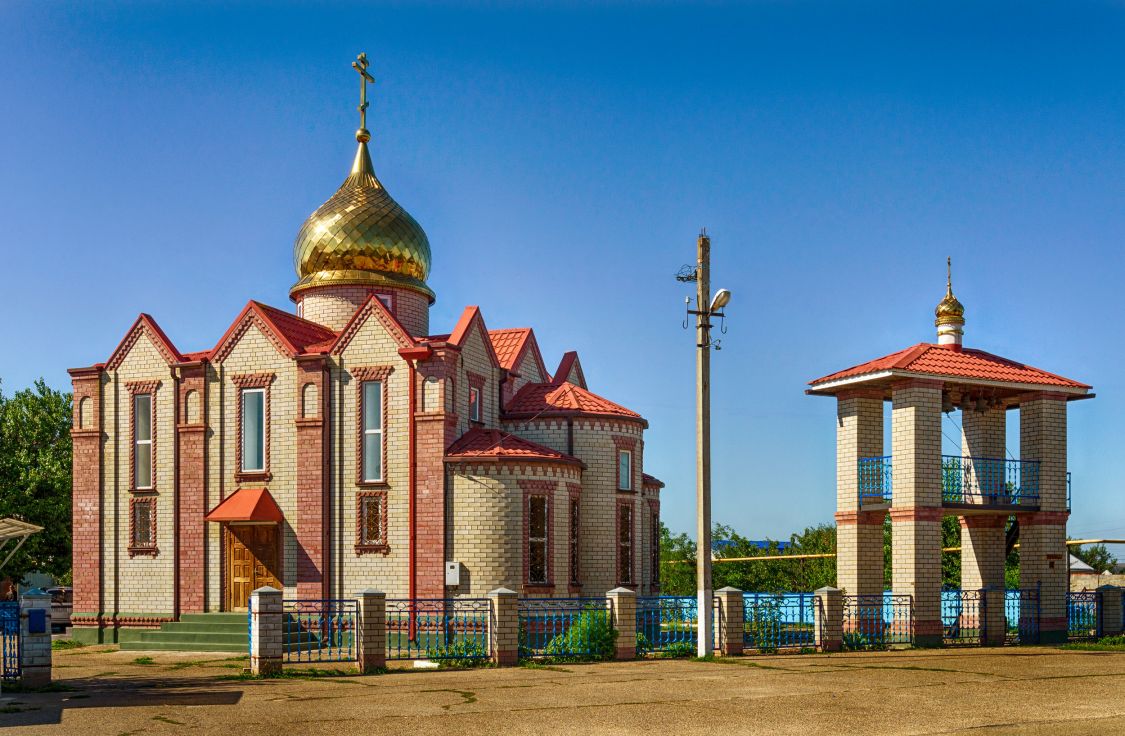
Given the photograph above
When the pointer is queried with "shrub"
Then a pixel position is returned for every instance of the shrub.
(465, 652)
(591, 636)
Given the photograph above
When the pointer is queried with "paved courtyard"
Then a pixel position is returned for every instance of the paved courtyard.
(980, 691)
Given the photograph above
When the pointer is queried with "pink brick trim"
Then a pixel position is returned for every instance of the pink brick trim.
(866, 518)
(917, 383)
(918, 513)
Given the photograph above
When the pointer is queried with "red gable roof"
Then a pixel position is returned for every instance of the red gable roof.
(247, 504)
(493, 445)
(938, 360)
(299, 332)
(470, 316)
(507, 344)
(563, 399)
(145, 325)
(649, 480)
(570, 363)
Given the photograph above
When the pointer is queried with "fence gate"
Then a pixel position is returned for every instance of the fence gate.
(964, 617)
(10, 640)
(1084, 615)
(1021, 616)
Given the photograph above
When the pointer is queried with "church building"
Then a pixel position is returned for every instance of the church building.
(346, 445)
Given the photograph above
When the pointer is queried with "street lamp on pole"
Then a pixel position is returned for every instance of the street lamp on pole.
(705, 309)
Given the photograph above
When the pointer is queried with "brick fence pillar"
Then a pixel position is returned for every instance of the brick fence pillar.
(1110, 610)
(35, 639)
(371, 637)
(265, 631)
(829, 616)
(623, 608)
(730, 620)
(504, 627)
(995, 616)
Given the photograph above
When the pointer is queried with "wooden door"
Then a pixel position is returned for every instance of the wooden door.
(252, 562)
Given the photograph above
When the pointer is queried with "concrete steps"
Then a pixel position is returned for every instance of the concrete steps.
(194, 632)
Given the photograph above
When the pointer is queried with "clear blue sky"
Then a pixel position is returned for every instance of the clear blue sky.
(563, 159)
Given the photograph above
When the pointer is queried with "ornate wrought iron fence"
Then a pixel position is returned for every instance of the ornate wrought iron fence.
(964, 618)
(1021, 616)
(986, 480)
(10, 640)
(1083, 615)
(875, 479)
(438, 628)
(319, 630)
(773, 621)
(666, 624)
(565, 627)
(878, 621)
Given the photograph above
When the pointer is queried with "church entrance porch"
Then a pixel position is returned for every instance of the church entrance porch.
(252, 557)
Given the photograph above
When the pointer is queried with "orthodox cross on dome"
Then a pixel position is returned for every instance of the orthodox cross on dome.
(360, 65)
(950, 313)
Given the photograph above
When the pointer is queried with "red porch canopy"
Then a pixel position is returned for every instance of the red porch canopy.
(247, 505)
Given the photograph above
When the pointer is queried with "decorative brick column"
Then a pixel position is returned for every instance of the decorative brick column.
(86, 474)
(191, 487)
(859, 534)
(916, 510)
(829, 617)
(35, 638)
(504, 627)
(372, 634)
(1043, 553)
(435, 429)
(265, 631)
(1110, 610)
(623, 607)
(312, 522)
(982, 568)
(731, 620)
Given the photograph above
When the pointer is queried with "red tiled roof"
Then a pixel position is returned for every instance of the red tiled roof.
(197, 355)
(300, 333)
(247, 504)
(649, 480)
(507, 344)
(492, 444)
(562, 399)
(471, 315)
(568, 363)
(930, 359)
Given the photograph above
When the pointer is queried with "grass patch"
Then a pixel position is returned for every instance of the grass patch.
(144, 660)
(313, 673)
(532, 664)
(202, 662)
(1105, 644)
(61, 645)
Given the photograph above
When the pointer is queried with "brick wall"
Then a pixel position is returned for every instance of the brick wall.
(191, 496)
(86, 436)
(333, 306)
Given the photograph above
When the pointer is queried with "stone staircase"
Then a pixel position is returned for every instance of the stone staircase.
(194, 632)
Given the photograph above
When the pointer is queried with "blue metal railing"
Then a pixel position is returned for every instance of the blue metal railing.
(1083, 615)
(565, 627)
(964, 618)
(1021, 616)
(878, 621)
(875, 479)
(773, 621)
(438, 628)
(319, 630)
(986, 480)
(666, 624)
(10, 640)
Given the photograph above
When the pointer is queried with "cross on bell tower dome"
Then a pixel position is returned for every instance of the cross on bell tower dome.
(950, 313)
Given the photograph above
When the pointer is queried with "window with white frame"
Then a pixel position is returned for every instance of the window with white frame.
(253, 430)
(372, 431)
(142, 441)
(537, 539)
(624, 470)
(474, 404)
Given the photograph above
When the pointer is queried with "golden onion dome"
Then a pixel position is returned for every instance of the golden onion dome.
(361, 236)
(949, 311)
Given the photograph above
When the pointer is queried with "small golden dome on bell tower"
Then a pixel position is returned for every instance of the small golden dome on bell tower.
(950, 313)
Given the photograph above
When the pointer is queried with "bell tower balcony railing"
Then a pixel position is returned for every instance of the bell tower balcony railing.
(979, 481)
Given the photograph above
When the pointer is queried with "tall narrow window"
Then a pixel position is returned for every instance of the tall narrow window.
(143, 525)
(474, 404)
(574, 546)
(373, 431)
(624, 470)
(142, 441)
(654, 551)
(537, 532)
(372, 520)
(624, 544)
(253, 430)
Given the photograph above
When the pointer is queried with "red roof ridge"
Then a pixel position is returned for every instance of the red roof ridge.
(493, 444)
(470, 315)
(563, 399)
(144, 323)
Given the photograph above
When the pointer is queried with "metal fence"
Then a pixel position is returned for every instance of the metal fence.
(666, 624)
(315, 630)
(438, 628)
(964, 617)
(10, 640)
(874, 479)
(1021, 616)
(773, 621)
(878, 621)
(1083, 615)
(986, 480)
(565, 627)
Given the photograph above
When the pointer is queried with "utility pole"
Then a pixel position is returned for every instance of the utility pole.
(706, 621)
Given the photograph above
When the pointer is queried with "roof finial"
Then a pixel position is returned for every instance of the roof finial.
(949, 275)
(950, 313)
(360, 65)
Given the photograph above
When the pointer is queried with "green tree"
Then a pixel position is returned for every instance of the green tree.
(677, 563)
(35, 457)
(1096, 556)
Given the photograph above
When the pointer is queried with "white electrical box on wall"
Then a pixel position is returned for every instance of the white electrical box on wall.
(453, 573)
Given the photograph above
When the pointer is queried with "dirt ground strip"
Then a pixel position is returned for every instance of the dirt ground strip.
(1033, 690)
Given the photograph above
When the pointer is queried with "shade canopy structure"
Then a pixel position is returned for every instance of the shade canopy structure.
(247, 506)
(16, 531)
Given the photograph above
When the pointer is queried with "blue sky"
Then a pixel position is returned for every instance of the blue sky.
(162, 157)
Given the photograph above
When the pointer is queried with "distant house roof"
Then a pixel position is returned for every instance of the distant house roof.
(1078, 567)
